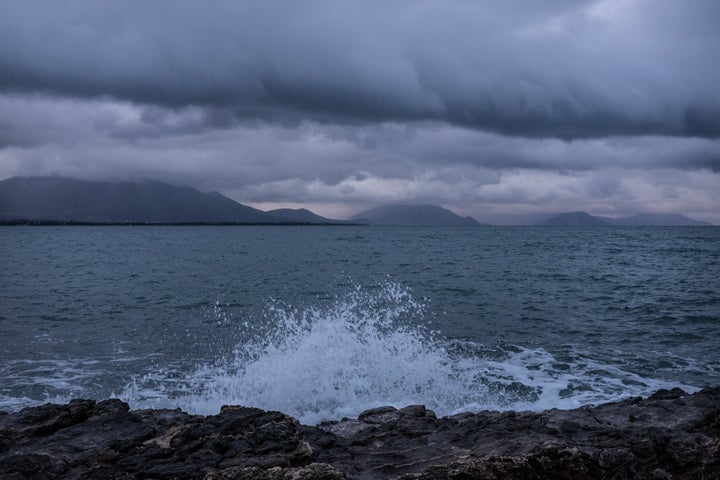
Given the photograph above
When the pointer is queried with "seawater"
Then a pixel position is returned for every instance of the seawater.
(324, 322)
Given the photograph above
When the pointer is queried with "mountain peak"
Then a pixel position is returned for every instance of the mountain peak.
(642, 219)
(413, 215)
(144, 201)
(669, 219)
(301, 215)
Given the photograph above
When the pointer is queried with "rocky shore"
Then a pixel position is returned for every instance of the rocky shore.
(668, 435)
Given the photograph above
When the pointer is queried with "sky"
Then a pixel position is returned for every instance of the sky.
(491, 108)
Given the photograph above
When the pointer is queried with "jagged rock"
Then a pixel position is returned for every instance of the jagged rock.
(314, 471)
(670, 435)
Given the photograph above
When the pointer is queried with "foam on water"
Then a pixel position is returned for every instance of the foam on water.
(28, 383)
(371, 348)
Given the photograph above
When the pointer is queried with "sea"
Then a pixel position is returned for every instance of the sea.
(324, 322)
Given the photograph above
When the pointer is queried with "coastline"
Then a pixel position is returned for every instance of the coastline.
(670, 434)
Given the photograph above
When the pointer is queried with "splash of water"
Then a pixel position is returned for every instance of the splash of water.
(370, 348)
(364, 350)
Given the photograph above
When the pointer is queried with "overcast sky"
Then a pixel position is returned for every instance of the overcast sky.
(486, 107)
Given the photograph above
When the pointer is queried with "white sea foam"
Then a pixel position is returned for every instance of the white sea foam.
(371, 348)
(13, 404)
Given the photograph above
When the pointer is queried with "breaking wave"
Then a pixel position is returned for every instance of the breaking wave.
(374, 347)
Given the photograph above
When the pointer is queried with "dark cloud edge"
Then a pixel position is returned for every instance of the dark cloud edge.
(277, 103)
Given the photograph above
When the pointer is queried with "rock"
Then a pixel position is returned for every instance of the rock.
(670, 435)
(314, 471)
(378, 415)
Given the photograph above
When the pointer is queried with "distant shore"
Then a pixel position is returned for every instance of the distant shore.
(51, 223)
(671, 434)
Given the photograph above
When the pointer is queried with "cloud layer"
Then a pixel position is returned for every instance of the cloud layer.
(489, 107)
(547, 69)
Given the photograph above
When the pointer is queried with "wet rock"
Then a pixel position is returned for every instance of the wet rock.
(670, 435)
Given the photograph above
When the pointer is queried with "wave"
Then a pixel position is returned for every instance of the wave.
(374, 347)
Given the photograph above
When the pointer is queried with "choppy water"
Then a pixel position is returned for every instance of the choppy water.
(324, 322)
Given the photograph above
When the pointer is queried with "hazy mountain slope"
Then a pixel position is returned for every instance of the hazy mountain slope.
(669, 219)
(55, 198)
(300, 215)
(413, 215)
(643, 219)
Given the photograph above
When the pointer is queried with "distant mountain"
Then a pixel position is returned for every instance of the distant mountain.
(63, 199)
(669, 219)
(301, 215)
(412, 215)
(534, 218)
(574, 219)
(643, 219)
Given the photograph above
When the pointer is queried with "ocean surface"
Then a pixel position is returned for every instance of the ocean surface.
(325, 322)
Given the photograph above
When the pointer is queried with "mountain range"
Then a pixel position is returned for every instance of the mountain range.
(64, 200)
(68, 200)
(301, 215)
(643, 219)
(413, 215)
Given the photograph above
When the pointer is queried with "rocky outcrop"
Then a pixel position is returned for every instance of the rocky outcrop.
(668, 435)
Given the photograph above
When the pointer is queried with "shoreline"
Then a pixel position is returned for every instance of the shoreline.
(671, 434)
(74, 223)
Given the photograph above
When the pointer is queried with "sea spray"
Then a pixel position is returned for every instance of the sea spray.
(365, 349)
(373, 347)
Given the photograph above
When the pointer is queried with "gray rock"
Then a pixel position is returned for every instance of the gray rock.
(670, 435)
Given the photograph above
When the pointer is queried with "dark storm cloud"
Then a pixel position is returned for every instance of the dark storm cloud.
(490, 108)
(565, 69)
(310, 150)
